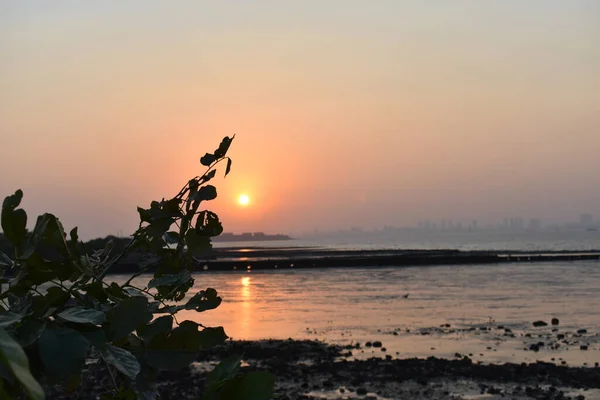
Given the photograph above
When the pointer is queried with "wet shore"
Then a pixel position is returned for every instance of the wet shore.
(316, 370)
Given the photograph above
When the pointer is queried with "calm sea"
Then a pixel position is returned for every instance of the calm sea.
(478, 302)
(478, 240)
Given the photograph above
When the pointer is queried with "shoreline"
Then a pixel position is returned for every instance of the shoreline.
(306, 370)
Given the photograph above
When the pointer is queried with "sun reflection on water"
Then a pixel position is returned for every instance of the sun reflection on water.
(246, 295)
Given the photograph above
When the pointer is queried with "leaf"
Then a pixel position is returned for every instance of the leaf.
(122, 360)
(170, 279)
(13, 356)
(56, 296)
(207, 159)
(63, 351)
(94, 335)
(29, 331)
(171, 237)
(178, 348)
(13, 220)
(204, 300)
(205, 193)
(5, 260)
(81, 315)
(198, 245)
(223, 147)
(9, 318)
(225, 370)
(255, 385)
(127, 315)
(208, 176)
(211, 337)
(96, 291)
(228, 169)
(144, 214)
(208, 224)
(159, 325)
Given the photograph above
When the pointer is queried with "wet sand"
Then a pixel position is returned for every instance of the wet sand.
(315, 370)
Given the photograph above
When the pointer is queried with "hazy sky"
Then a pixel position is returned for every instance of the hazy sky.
(347, 113)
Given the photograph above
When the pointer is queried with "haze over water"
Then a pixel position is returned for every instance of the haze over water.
(348, 113)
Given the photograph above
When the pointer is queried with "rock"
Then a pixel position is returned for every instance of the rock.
(583, 347)
(540, 323)
(560, 336)
(361, 391)
(377, 344)
(395, 333)
(555, 321)
(534, 347)
(582, 331)
(383, 349)
(368, 344)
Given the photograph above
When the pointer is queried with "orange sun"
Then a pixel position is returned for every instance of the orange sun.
(243, 200)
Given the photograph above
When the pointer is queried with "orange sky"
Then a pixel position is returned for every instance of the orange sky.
(347, 113)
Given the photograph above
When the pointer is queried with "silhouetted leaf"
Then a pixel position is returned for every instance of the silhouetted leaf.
(56, 296)
(13, 357)
(178, 348)
(172, 237)
(170, 279)
(204, 300)
(29, 331)
(144, 214)
(13, 220)
(208, 224)
(208, 192)
(9, 318)
(223, 147)
(197, 245)
(81, 315)
(228, 169)
(63, 351)
(218, 377)
(208, 176)
(211, 337)
(159, 325)
(207, 159)
(96, 291)
(122, 360)
(96, 336)
(126, 316)
(255, 385)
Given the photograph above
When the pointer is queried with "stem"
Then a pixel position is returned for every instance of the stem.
(112, 377)
(115, 260)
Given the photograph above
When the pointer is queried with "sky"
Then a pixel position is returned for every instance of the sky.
(346, 113)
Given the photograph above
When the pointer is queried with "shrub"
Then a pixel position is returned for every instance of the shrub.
(58, 308)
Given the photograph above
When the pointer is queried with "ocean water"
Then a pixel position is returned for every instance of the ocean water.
(405, 307)
(579, 240)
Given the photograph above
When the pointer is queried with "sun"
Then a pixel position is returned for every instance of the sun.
(243, 200)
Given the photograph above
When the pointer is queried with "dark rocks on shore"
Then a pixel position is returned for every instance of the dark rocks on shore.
(555, 321)
(582, 331)
(540, 323)
(301, 365)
